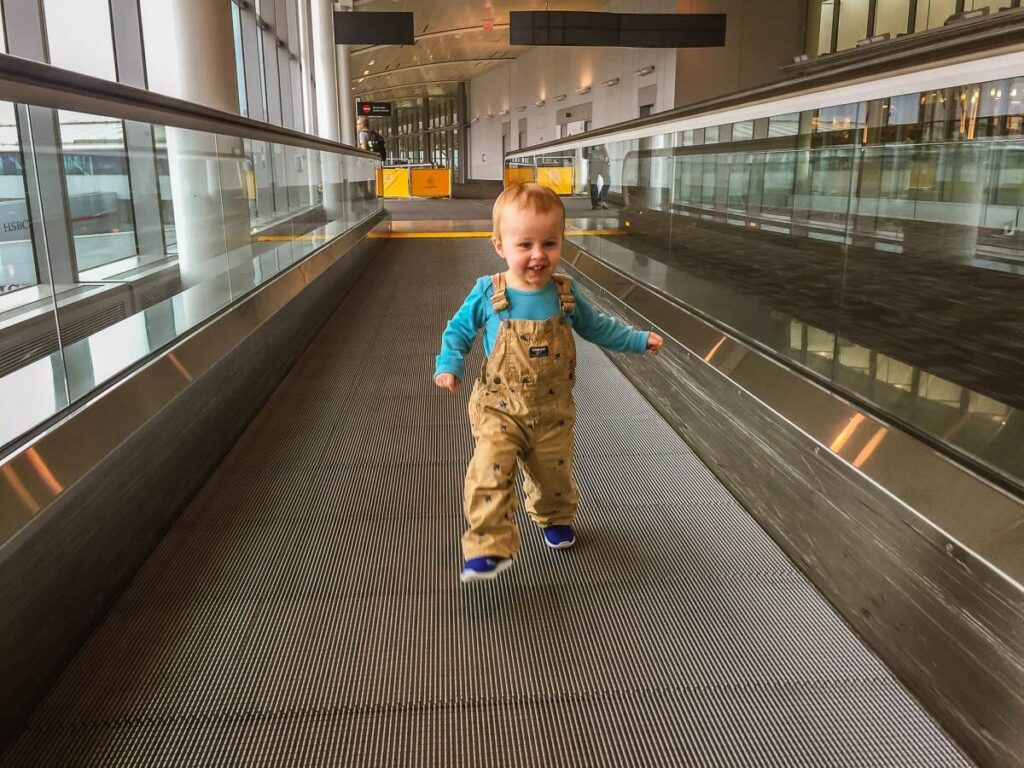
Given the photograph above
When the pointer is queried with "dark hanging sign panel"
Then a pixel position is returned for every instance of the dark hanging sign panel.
(618, 30)
(373, 28)
(373, 108)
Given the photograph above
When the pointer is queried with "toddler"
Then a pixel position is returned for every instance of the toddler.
(521, 408)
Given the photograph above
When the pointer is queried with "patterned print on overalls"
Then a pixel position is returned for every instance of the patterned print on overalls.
(522, 412)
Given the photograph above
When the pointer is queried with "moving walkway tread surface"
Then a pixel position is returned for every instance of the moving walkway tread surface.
(306, 608)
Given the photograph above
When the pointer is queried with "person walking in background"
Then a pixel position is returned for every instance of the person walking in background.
(599, 165)
(363, 133)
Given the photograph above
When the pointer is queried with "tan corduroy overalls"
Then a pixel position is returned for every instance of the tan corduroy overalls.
(522, 410)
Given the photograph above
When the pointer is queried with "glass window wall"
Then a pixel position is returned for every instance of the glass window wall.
(70, 25)
(858, 19)
(892, 17)
(853, 22)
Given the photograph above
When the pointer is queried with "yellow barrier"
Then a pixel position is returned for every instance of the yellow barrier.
(431, 182)
(395, 182)
(518, 175)
(559, 179)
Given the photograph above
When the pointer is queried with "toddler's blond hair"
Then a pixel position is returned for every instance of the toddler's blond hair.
(532, 197)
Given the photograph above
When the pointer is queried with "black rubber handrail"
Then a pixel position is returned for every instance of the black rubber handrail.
(26, 81)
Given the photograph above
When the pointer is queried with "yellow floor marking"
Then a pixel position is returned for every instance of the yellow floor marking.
(405, 235)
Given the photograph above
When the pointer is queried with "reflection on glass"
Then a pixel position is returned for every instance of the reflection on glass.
(17, 260)
(99, 195)
(233, 215)
(877, 245)
(163, 175)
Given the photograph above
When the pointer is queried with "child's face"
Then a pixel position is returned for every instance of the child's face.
(531, 243)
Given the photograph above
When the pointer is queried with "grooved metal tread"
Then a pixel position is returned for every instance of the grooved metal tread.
(306, 609)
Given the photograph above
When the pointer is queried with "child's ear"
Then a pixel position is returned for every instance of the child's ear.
(496, 242)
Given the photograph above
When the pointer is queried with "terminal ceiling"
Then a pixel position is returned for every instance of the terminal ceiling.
(456, 40)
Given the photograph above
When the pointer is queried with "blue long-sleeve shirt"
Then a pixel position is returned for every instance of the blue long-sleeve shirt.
(477, 312)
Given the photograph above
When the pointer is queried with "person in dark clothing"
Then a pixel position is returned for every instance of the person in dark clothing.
(598, 165)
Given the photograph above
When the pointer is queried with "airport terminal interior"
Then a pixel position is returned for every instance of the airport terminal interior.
(235, 492)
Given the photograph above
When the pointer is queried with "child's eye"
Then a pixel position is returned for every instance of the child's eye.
(550, 243)
(524, 245)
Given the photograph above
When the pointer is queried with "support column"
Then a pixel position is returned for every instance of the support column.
(211, 211)
(346, 109)
(462, 121)
(131, 70)
(325, 68)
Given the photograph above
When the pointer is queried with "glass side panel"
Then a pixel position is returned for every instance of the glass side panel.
(875, 245)
(17, 258)
(222, 217)
(99, 195)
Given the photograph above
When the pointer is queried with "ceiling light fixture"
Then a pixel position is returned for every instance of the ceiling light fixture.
(503, 112)
(611, 81)
(489, 116)
(371, 63)
(644, 71)
(583, 91)
(366, 72)
(539, 103)
(561, 97)
(521, 109)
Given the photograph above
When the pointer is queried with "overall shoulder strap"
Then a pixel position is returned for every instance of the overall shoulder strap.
(499, 301)
(566, 301)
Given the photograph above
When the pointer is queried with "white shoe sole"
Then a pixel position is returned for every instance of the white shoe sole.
(563, 545)
(469, 576)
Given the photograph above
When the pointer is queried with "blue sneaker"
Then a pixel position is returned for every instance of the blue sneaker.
(483, 568)
(559, 536)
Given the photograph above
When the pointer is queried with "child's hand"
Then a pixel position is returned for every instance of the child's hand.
(447, 381)
(654, 342)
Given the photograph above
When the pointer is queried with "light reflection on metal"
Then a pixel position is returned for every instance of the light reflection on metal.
(847, 433)
(869, 449)
(44, 471)
(181, 368)
(19, 488)
(714, 350)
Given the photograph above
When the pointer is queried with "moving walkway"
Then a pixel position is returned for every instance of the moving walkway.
(230, 533)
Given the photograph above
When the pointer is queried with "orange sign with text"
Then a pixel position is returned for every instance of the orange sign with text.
(431, 182)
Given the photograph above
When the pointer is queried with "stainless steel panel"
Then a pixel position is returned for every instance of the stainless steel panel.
(922, 557)
(33, 476)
